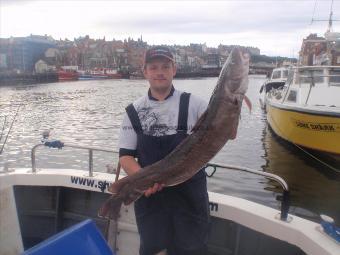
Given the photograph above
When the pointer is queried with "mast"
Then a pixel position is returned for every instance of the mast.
(330, 21)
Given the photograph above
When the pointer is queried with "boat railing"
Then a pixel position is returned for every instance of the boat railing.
(285, 195)
(58, 144)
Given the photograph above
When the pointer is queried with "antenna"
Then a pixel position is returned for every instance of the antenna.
(330, 20)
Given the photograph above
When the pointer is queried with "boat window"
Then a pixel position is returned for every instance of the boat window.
(284, 73)
(334, 77)
(307, 75)
(276, 75)
(292, 96)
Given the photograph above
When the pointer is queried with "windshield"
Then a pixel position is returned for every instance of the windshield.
(276, 75)
(307, 76)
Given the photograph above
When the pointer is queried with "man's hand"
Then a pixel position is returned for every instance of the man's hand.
(156, 187)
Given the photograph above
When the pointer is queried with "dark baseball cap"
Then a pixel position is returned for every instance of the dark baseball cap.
(158, 51)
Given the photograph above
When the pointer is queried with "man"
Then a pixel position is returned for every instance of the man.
(175, 219)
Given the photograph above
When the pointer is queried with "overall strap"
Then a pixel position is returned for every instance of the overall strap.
(183, 112)
(133, 116)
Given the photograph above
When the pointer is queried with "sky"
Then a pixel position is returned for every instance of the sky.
(276, 27)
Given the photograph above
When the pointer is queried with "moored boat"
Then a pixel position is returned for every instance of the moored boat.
(277, 80)
(68, 73)
(306, 111)
(91, 75)
(112, 73)
(99, 73)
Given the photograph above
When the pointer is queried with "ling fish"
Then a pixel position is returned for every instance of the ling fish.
(215, 127)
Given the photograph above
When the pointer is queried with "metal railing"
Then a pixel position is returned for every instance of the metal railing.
(285, 195)
(90, 150)
(278, 179)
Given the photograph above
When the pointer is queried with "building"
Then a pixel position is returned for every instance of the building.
(42, 67)
(21, 53)
(135, 53)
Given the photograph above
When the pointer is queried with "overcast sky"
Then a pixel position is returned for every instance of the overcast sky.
(277, 27)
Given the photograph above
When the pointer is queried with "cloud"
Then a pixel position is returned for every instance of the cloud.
(261, 23)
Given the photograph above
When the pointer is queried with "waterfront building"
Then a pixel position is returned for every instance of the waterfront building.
(135, 52)
(316, 50)
(42, 66)
(21, 53)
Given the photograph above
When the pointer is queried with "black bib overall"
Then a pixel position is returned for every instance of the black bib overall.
(176, 218)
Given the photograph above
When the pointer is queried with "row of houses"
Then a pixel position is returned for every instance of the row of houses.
(37, 53)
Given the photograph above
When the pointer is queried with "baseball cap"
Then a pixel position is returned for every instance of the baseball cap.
(158, 51)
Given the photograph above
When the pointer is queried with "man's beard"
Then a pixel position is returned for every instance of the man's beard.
(162, 90)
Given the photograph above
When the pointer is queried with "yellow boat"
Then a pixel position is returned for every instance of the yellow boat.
(306, 110)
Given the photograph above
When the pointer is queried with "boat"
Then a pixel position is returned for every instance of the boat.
(68, 73)
(99, 73)
(277, 80)
(92, 75)
(53, 200)
(306, 111)
(112, 73)
(137, 75)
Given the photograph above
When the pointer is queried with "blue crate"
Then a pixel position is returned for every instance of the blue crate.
(81, 239)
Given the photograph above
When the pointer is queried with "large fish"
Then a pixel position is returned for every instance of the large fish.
(215, 127)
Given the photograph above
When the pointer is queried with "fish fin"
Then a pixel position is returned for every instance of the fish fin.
(199, 121)
(111, 208)
(248, 103)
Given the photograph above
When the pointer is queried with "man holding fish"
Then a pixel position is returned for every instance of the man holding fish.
(176, 218)
(173, 220)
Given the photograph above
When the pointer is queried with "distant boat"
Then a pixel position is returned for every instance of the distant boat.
(277, 80)
(68, 73)
(136, 76)
(112, 73)
(97, 74)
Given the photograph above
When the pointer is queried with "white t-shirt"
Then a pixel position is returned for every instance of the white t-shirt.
(159, 118)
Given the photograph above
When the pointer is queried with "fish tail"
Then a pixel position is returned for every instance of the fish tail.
(111, 208)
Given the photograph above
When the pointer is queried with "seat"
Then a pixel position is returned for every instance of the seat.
(81, 239)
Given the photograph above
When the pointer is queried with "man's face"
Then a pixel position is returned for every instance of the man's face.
(160, 72)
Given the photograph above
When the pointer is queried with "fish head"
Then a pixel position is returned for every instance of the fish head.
(234, 74)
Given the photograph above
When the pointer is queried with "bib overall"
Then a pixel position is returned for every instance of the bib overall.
(176, 218)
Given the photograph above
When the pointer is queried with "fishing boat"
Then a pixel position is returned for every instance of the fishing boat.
(99, 73)
(91, 75)
(306, 111)
(277, 80)
(68, 73)
(112, 73)
(37, 204)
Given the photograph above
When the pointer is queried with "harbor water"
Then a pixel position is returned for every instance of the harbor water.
(89, 113)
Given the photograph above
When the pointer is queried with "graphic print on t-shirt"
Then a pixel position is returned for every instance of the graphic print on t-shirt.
(153, 122)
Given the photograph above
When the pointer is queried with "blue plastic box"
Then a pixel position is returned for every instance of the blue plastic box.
(81, 239)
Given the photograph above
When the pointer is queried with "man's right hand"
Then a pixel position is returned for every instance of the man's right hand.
(156, 187)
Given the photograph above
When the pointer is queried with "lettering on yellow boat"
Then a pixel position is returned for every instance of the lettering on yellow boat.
(323, 127)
